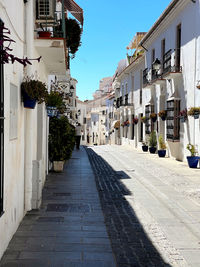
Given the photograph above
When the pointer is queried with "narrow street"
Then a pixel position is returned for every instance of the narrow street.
(146, 214)
(151, 207)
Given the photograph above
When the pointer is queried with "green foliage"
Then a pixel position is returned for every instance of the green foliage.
(162, 144)
(61, 139)
(34, 89)
(55, 99)
(153, 139)
(191, 148)
(73, 35)
(194, 110)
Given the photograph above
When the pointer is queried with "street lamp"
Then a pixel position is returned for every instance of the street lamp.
(156, 64)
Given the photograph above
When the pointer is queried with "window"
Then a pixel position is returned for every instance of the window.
(163, 52)
(13, 111)
(149, 125)
(178, 47)
(84, 120)
(45, 9)
(152, 56)
(173, 124)
(141, 78)
(1, 131)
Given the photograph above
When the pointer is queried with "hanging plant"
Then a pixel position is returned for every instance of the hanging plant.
(6, 56)
(135, 120)
(143, 119)
(153, 117)
(183, 115)
(56, 99)
(33, 91)
(73, 35)
(163, 114)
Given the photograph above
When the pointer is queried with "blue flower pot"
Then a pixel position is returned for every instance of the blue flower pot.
(145, 148)
(193, 161)
(28, 102)
(152, 150)
(161, 153)
(52, 111)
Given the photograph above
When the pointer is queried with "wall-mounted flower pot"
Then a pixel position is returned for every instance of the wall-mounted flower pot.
(163, 118)
(29, 102)
(144, 148)
(196, 116)
(161, 153)
(193, 161)
(44, 34)
(152, 150)
(182, 119)
(52, 111)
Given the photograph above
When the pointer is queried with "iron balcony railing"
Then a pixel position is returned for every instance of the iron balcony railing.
(167, 62)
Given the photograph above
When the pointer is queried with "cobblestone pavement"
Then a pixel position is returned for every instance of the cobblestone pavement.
(151, 218)
(69, 229)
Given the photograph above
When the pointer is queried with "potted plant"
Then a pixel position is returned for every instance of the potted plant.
(162, 146)
(145, 146)
(163, 114)
(61, 141)
(117, 125)
(194, 111)
(55, 103)
(127, 123)
(33, 91)
(135, 120)
(183, 115)
(192, 159)
(153, 117)
(143, 119)
(152, 143)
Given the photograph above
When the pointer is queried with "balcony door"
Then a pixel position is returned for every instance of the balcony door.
(1, 132)
(178, 46)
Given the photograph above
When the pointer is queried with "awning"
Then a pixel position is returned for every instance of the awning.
(75, 10)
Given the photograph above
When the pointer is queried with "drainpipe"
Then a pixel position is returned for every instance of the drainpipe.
(28, 114)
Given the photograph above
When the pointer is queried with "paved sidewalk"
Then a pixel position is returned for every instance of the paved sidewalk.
(69, 228)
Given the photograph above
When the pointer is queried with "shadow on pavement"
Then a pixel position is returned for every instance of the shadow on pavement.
(130, 243)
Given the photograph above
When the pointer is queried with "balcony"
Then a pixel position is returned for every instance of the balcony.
(50, 43)
(171, 64)
(50, 32)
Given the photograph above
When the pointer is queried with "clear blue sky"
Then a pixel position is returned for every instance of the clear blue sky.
(109, 26)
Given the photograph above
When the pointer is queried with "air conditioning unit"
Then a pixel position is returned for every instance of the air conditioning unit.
(46, 9)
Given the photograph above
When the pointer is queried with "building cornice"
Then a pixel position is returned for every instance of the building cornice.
(164, 20)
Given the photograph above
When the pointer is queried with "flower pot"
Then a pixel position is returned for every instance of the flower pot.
(193, 161)
(58, 166)
(196, 116)
(45, 34)
(161, 153)
(154, 119)
(152, 150)
(52, 111)
(144, 148)
(182, 119)
(28, 102)
(163, 118)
